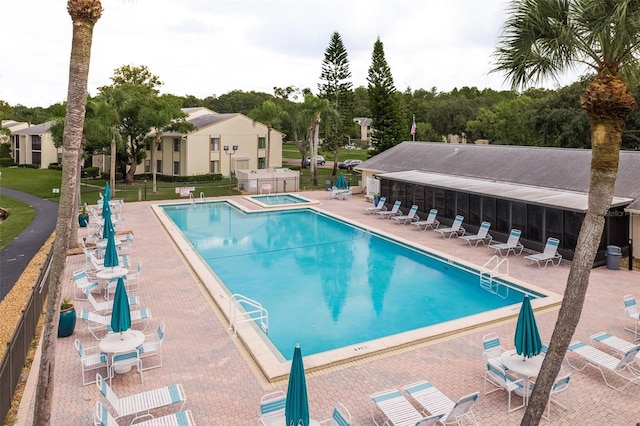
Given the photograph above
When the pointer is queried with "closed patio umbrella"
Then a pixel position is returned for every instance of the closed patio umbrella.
(297, 407)
(527, 340)
(121, 312)
(341, 182)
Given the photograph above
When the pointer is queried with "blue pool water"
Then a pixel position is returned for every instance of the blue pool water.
(279, 199)
(325, 283)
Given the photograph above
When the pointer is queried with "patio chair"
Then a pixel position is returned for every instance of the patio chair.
(378, 207)
(340, 417)
(139, 405)
(99, 323)
(616, 344)
(102, 417)
(512, 245)
(492, 350)
(132, 281)
(550, 254)
(91, 360)
(482, 236)
(409, 217)
(499, 379)
(396, 409)
(81, 281)
(602, 361)
(560, 385)
(151, 348)
(631, 309)
(436, 403)
(455, 229)
(124, 361)
(106, 305)
(272, 406)
(395, 211)
(429, 222)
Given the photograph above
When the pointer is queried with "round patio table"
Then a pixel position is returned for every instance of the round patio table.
(115, 343)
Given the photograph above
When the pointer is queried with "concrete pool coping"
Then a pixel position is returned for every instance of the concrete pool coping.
(275, 367)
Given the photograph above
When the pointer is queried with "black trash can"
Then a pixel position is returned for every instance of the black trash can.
(614, 254)
(328, 185)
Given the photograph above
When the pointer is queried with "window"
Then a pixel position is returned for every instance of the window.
(159, 166)
(572, 224)
(35, 157)
(36, 143)
(176, 144)
(475, 209)
(147, 166)
(176, 167)
(214, 166)
(535, 215)
(553, 223)
(439, 201)
(462, 205)
(503, 217)
(489, 210)
(519, 218)
(261, 143)
(214, 144)
(159, 146)
(450, 204)
(261, 162)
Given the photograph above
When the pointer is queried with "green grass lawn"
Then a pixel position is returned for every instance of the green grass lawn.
(20, 216)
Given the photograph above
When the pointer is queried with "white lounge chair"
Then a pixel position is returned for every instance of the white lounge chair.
(429, 222)
(550, 254)
(386, 214)
(512, 245)
(378, 207)
(102, 417)
(397, 410)
(81, 281)
(409, 217)
(436, 403)
(139, 405)
(106, 305)
(622, 368)
(616, 344)
(340, 416)
(631, 309)
(482, 236)
(272, 407)
(455, 229)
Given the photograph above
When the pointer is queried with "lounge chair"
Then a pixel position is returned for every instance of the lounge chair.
(429, 222)
(81, 281)
(622, 368)
(106, 305)
(616, 344)
(512, 245)
(550, 254)
(340, 417)
(455, 229)
(102, 417)
(631, 309)
(482, 236)
(395, 211)
(409, 217)
(272, 407)
(397, 410)
(436, 403)
(378, 207)
(139, 405)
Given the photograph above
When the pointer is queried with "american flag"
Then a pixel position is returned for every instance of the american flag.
(413, 126)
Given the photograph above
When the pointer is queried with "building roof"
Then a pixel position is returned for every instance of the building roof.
(202, 121)
(561, 169)
(36, 129)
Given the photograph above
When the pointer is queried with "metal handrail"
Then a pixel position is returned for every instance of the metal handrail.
(238, 313)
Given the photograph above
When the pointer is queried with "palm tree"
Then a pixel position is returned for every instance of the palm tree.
(543, 38)
(270, 114)
(84, 15)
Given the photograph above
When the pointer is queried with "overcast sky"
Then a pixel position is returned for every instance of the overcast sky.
(210, 47)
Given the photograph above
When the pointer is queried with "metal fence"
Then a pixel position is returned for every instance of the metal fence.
(20, 342)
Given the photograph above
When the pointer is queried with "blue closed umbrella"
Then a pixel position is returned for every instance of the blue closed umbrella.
(527, 340)
(341, 182)
(297, 407)
(121, 313)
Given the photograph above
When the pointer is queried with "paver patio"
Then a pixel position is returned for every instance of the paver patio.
(223, 385)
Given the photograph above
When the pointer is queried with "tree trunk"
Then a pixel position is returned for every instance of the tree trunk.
(112, 169)
(131, 172)
(607, 102)
(314, 154)
(72, 140)
(73, 235)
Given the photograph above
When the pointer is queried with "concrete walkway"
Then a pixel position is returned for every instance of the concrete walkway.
(223, 385)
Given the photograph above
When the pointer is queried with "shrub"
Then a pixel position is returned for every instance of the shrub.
(5, 162)
(92, 172)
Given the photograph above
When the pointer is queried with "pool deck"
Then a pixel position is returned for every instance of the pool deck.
(224, 385)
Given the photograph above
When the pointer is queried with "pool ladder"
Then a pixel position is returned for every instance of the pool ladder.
(242, 309)
(490, 270)
(193, 198)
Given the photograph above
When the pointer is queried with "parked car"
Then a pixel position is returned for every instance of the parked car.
(319, 160)
(349, 164)
(350, 147)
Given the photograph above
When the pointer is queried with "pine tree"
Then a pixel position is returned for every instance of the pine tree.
(386, 119)
(338, 90)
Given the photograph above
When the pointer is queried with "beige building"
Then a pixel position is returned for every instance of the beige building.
(33, 144)
(221, 143)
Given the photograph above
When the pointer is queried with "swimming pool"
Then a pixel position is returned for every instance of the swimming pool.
(280, 200)
(353, 287)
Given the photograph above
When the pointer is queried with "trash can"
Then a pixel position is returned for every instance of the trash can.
(614, 254)
(328, 185)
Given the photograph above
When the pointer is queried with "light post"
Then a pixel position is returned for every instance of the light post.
(234, 148)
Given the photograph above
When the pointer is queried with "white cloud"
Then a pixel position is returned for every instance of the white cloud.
(210, 47)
